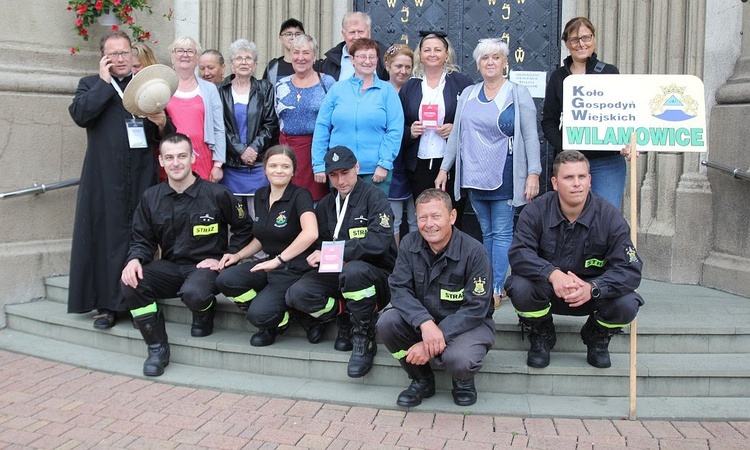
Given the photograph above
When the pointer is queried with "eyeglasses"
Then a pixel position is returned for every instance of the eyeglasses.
(116, 56)
(293, 34)
(366, 57)
(243, 59)
(586, 39)
(185, 51)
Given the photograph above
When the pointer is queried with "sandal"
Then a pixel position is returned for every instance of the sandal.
(105, 319)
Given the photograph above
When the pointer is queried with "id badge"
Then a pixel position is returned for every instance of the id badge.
(331, 257)
(430, 116)
(136, 133)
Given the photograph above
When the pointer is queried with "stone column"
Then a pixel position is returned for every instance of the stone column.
(728, 264)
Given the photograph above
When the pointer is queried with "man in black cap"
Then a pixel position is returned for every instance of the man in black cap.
(356, 255)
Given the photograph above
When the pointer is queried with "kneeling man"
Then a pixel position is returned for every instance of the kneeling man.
(188, 218)
(441, 292)
(572, 255)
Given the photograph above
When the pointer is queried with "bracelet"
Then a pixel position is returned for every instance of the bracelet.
(281, 260)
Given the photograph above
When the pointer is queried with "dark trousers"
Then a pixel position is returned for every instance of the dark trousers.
(530, 296)
(165, 279)
(315, 293)
(463, 355)
(268, 308)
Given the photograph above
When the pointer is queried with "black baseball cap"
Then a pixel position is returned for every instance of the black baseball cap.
(339, 157)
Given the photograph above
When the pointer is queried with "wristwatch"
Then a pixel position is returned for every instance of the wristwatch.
(595, 291)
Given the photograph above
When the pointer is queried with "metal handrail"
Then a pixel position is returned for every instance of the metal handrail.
(736, 172)
(40, 188)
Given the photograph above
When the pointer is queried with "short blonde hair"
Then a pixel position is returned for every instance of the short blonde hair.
(185, 41)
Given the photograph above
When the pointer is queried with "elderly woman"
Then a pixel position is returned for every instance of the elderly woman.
(399, 60)
(249, 118)
(607, 167)
(495, 147)
(143, 56)
(298, 100)
(433, 92)
(364, 114)
(211, 66)
(195, 110)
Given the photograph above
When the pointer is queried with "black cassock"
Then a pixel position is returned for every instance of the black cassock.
(113, 179)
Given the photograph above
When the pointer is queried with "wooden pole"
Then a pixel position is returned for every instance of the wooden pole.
(634, 238)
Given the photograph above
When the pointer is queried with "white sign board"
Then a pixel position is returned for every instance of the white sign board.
(536, 82)
(667, 113)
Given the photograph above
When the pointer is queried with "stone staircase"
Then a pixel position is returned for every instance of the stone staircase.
(693, 359)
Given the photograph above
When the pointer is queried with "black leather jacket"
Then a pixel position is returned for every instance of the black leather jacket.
(262, 123)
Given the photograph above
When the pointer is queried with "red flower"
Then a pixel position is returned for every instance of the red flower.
(82, 9)
(129, 20)
(69, 8)
(144, 36)
(128, 8)
(72, 50)
(116, 2)
(115, 28)
(83, 32)
(79, 22)
(98, 6)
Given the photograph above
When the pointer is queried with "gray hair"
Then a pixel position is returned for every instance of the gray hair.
(356, 16)
(243, 45)
(186, 41)
(304, 39)
(489, 46)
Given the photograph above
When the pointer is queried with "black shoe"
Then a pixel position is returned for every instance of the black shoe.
(418, 389)
(344, 335)
(315, 332)
(464, 393)
(105, 319)
(158, 359)
(263, 338)
(203, 322)
(364, 347)
(154, 333)
(596, 338)
(542, 338)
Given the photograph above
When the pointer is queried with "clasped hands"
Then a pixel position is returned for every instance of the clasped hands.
(569, 287)
(432, 345)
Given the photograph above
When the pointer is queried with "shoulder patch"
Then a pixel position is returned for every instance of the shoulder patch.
(631, 255)
(385, 221)
(240, 210)
(479, 286)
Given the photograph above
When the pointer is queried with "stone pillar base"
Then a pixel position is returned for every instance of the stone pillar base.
(727, 272)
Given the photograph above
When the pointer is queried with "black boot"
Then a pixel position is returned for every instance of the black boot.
(596, 338)
(542, 338)
(344, 335)
(267, 336)
(422, 384)
(364, 347)
(315, 328)
(203, 321)
(155, 335)
(464, 392)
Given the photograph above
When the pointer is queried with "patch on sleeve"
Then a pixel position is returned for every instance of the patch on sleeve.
(385, 221)
(630, 254)
(479, 286)
(240, 210)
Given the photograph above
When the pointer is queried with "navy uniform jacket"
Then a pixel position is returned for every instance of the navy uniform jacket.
(191, 226)
(596, 247)
(367, 227)
(455, 290)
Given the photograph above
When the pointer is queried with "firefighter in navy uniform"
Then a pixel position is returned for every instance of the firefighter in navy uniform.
(187, 218)
(441, 293)
(572, 255)
(360, 215)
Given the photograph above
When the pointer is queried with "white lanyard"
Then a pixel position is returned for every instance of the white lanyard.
(340, 213)
(117, 88)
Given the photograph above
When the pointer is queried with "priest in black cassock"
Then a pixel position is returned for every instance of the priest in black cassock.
(120, 163)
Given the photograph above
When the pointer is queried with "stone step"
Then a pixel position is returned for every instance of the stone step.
(505, 371)
(662, 328)
(489, 403)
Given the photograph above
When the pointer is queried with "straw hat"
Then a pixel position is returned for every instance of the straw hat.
(150, 90)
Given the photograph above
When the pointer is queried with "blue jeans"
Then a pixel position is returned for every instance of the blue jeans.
(608, 178)
(496, 221)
